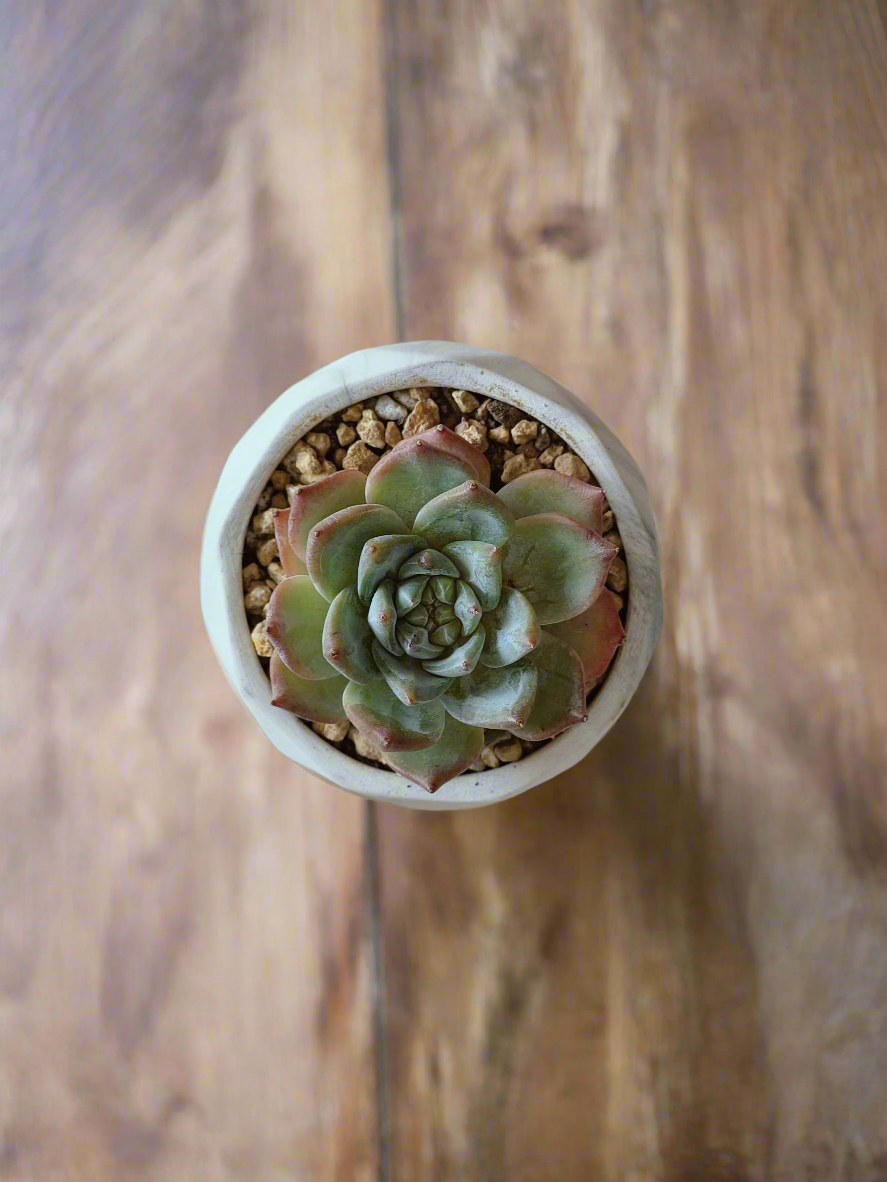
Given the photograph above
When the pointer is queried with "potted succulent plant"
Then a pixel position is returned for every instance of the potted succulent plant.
(435, 595)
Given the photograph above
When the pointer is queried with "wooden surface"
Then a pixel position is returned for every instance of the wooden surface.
(671, 964)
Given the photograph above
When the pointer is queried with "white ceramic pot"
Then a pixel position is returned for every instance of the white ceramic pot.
(364, 375)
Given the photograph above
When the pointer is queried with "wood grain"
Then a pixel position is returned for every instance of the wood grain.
(671, 963)
(185, 945)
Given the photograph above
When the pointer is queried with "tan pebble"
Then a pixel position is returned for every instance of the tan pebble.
(263, 523)
(371, 431)
(327, 469)
(339, 456)
(320, 441)
(291, 490)
(474, 433)
(543, 438)
(524, 431)
(618, 600)
(518, 466)
(508, 454)
(489, 757)
(261, 642)
(302, 459)
(500, 434)
(609, 520)
(410, 398)
(361, 457)
(614, 539)
(569, 465)
(345, 434)
(353, 413)
(478, 765)
(264, 497)
(363, 746)
(528, 449)
(251, 574)
(279, 501)
(509, 751)
(267, 551)
(335, 732)
(249, 538)
(465, 401)
(266, 609)
(280, 479)
(423, 417)
(483, 410)
(551, 454)
(617, 579)
(256, 597)
(275, 570)
(393, 434)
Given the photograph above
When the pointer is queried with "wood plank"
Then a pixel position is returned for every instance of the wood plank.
(671, 962)
(195, 215)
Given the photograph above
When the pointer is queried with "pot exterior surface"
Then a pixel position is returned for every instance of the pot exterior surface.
(356, 378)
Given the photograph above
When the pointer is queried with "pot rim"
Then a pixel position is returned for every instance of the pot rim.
(355, 378)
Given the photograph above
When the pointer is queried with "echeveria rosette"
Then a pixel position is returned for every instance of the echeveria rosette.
(424, 608)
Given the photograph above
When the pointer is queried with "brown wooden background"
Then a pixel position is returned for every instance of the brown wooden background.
(670, 964)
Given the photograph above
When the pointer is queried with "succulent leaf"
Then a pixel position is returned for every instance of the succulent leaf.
(318, 701)
(295, 627)
(313, 502)
(418, 615)
(428, 562)
(553, 492)
(480, 565)
(467, 608)
(456, 749)
(594, 636)
(558, 564)
(382, 617)
(384, 719)
(512, 629)
(448, 633)
(409, 594)
(290, 561)
(407, 679)
(444, 589)
(415, 643)
(381, 558)
(493, 697)
(560, 698)
(421, 467)
(348, 638)
(462, 659)
(469, 512)
(335, 544)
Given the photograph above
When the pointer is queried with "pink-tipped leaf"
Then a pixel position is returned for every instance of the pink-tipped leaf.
(383, 718)
(560, 694)
(548, 491)
(558, 564)
(290, 561)
(493, 697)
(594, 636)
(317, 701)
(421, 468)
(469, 512)
(512, 629)
(313, 502)
(296, 618)
(335, 545)
(348, 638)
(456, 749)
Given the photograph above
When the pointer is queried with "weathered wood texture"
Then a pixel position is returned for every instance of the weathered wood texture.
(185, 953)
(672, 963)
